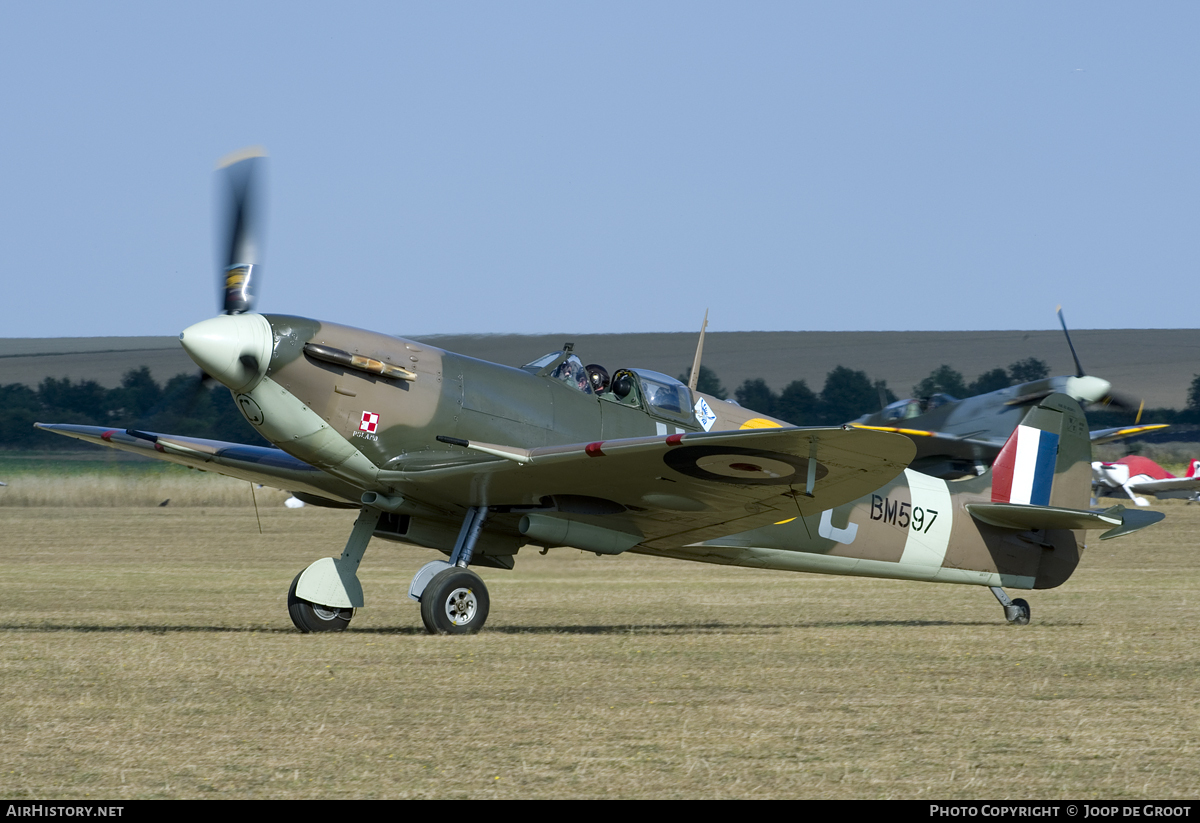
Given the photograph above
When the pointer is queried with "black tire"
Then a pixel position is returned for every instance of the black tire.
(455, 602)
(1022, 616)
(313, 617)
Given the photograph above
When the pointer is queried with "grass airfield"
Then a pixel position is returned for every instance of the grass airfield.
(147, 653)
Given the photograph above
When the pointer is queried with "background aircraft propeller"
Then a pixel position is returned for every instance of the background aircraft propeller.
(1078, 367)
(1107, 397)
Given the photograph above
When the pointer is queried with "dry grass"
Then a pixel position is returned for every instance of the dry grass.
(104, 489)
(147, 653)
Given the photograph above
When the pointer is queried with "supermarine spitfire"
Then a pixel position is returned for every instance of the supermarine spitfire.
(960, 438)
(478, 460)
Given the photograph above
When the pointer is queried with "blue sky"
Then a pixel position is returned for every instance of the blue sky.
(606, 167)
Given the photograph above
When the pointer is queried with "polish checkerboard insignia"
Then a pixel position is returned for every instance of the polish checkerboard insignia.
(369, 422)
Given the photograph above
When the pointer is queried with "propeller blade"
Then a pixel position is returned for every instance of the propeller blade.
(1078, 368)
(242, 249)
(1096, 390)
(1123, 402)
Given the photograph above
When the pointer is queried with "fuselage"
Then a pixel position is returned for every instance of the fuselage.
(393, 422)
(366, 407)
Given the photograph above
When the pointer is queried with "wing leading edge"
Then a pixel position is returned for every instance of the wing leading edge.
(257, 464)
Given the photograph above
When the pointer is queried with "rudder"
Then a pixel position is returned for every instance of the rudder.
(1047, 459)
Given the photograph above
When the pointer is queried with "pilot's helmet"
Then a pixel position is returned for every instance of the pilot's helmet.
(598, 377)
(623, 385)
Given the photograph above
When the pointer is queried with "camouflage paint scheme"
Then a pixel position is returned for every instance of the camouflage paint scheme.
(461, 397)
(913, 526)
(458, 396)
(917, 527)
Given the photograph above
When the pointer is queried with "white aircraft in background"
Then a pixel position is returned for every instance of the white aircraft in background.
(1132, 476)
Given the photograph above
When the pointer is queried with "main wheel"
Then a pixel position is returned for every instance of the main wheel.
(454, 602)
(313, 617)
(1020, 613)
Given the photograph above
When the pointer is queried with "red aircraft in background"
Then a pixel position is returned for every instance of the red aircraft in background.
(1134, 475)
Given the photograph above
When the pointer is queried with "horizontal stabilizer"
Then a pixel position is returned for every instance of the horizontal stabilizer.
(1022, 517)
(1132, 520)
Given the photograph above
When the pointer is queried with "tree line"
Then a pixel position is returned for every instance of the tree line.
(849, 394)
(185, 406)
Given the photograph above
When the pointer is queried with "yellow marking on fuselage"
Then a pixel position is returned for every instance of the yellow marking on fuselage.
(760, 423)
(781, 522)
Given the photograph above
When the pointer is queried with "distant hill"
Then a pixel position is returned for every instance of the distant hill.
(1157, 365)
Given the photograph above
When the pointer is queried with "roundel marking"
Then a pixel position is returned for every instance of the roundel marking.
(740, 466)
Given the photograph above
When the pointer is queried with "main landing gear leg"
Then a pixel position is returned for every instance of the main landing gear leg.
(1016, 611)
(453, 598)
(324, 596)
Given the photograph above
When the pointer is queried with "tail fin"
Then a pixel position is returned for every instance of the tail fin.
(1194, 468)
(1047, 459)
(1041, 483)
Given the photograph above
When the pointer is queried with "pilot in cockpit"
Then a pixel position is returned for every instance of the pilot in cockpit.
(598, 376)
(571, 371)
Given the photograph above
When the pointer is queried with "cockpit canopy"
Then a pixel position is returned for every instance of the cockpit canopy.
(569, 370)
(660, 394)
(915, 407)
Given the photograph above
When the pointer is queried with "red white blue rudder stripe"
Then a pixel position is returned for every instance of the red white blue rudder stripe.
(1024, 471)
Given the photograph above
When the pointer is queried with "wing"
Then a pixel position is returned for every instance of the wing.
(1164, 488)
(675, 490)
(258, 464)
(934, 444)
(1121, 432)
(945, 446)
(664, 491)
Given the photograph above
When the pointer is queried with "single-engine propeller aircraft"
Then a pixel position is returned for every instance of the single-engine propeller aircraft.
(960, 438)
(477, 459)
(1134, 475)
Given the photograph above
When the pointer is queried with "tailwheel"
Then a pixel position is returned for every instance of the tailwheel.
(1018, 613)
(314, 617)
(455, 601)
